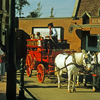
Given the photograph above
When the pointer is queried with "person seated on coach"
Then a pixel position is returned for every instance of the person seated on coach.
(32, 36)
(52, 37)
(38, 35)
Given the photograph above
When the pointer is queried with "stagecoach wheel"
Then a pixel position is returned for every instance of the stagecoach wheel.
(40, 73)
(28, 65)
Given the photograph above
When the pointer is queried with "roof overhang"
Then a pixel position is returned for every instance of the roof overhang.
(86, 25)
(86, 13)
(94, 29)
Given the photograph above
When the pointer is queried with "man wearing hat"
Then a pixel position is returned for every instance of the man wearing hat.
(52, 37)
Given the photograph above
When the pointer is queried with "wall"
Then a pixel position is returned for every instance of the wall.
(26, 25)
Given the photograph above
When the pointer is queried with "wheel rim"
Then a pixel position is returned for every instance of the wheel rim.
(28, 64)
(41, 73)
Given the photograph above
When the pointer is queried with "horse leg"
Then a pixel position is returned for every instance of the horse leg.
(74, 78)
(84, 80)
(69, 80)
(59, 76)
(56, 73)
(97, 83)
(78, 79)
(98, 78)
(94, 79)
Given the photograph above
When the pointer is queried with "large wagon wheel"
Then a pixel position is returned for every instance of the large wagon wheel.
(28, 65)
(40, 73)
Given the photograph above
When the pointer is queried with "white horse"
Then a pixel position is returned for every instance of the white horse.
(96, 70)
(89, 71)
(71, 64)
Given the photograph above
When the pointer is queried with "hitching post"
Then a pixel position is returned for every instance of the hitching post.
(21, 90)
(11, 69)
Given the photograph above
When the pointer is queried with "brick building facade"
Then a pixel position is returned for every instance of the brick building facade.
(88, 12)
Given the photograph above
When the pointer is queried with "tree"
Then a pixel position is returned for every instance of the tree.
(19, 4)
(52, 12)
(35, 12)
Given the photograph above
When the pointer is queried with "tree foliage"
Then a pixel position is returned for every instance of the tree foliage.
(35, 12)
(52, 12)
(19, 4)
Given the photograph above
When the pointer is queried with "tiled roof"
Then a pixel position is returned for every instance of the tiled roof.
(89, 6)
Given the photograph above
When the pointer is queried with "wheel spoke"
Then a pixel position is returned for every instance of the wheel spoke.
(28, 64)
(41, 73)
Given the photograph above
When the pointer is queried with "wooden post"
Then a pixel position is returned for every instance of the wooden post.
(11, 69)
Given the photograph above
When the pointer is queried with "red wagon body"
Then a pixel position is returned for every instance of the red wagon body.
(37, 59)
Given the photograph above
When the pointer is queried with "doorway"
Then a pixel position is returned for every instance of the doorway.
(90, 41)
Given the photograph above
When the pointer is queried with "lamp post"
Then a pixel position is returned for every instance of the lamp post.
(11, 69)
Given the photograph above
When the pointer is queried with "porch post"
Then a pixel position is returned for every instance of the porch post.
(11, 69)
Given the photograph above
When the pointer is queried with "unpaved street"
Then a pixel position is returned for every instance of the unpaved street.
(49, 91)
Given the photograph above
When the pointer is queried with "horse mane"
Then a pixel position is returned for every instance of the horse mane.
(77, 58)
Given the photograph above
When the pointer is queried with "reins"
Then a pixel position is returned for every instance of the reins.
(64, 64)
(63, 67)
(57, 45)
(78, 66)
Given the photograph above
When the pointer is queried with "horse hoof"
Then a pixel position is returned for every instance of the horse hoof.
(69, 91)
(85, 85)
(78, 84)
(94, 90)
(74, 90)
(59, 87)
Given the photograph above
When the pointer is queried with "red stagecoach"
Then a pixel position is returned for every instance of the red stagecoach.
(37, 59)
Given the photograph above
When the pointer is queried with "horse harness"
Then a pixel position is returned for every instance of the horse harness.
(74, 62)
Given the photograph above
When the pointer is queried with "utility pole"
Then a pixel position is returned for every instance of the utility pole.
(11, 69)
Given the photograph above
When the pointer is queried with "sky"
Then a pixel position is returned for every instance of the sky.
(62, 8)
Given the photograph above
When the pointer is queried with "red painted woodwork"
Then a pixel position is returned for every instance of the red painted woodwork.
(39, 60)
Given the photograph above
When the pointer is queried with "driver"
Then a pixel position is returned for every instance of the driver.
(52, 37)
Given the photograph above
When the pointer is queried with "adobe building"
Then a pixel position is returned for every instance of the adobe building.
(81, 30)
(4, 20)
(86, 18)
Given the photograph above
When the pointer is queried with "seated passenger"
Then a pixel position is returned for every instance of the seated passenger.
(32, 36)
(38, 36)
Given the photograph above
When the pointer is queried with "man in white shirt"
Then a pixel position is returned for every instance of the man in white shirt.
(52, 37)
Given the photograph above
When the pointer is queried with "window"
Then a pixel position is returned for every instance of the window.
(92, 41)
(44, 31)
(85, 19)
(7, 20)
